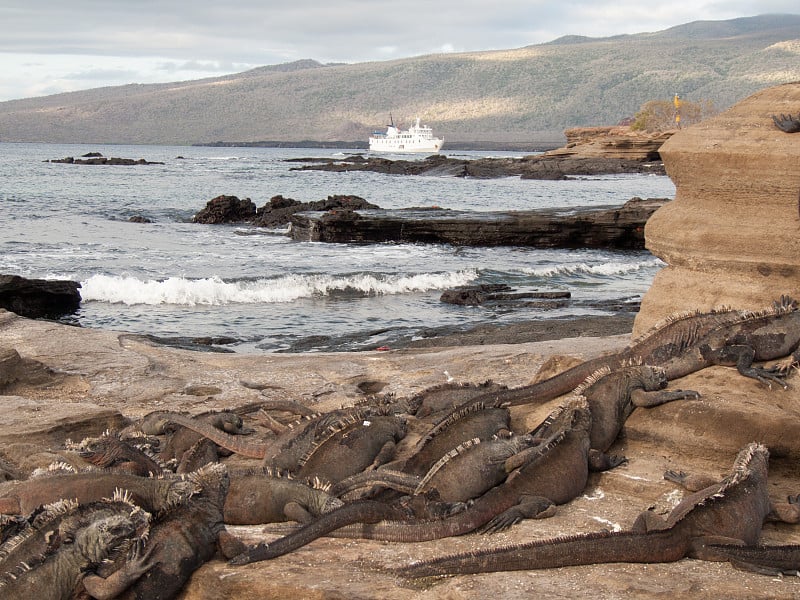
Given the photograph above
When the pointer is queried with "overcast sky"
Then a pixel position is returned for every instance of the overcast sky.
(51, 46)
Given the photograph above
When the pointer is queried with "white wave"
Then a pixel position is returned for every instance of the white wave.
(606, 269)
(215, 291)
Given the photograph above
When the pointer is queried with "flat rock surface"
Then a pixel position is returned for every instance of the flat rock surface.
(102, 376)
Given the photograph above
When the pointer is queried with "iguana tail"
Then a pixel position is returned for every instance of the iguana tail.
(768, 560)
(234, 443)
(365, 511)
(661, 546)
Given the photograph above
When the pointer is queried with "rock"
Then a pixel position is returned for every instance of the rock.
(95, 158)
(730, 237)
(619, 227)
(542, 166)
(226, 209)
(39, 298)
(276, 213)
(127, 375)
(617, 142)
(501, 294)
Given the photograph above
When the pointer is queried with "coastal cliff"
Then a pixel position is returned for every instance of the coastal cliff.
(732, 234)
(615, 142)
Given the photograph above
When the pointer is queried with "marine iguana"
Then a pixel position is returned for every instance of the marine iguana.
(286, 451)
(109, 451)
(446, 397)
(465, 472)
(765, 560)
(731, 511)
(614, 395)
(267, 496)
(181, 540)
(471, 420)
(152, 494)
(460, 427)
(686, 343)
(181, 439)
(787, 123)
(553, 472)
(769, 334)
(66, 541)
(351, 446)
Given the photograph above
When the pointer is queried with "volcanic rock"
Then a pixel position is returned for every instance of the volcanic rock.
(610, 227)
(39, 298)
(276, 213)
(226, 209)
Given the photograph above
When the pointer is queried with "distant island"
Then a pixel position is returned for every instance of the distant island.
(358, 145)
(521, 98)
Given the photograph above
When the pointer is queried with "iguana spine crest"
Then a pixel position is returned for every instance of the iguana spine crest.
(448, 456)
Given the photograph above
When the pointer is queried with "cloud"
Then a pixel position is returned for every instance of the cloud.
(159, 38)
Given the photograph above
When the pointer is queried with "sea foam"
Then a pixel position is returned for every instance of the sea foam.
(608, 269)
(215, 291)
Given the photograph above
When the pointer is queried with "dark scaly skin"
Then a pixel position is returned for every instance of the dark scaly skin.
(363, 444)
(110, 452)
(552, 473)
(759, 336)
(731, 511)
(662, 343)
(181, 439)
(471, 420)
(765, 560)
(468, 473)
(23, 497)
(787, 123)
(261, 496)
(614, 395)
(67, 541)
(460, 425)
(182, 539)
(662, 346)
(282, 452)
(364, 511)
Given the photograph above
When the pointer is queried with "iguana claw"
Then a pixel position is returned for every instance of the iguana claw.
(787, 123)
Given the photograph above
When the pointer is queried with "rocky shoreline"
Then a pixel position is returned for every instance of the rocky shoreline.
(59, 383)
(69, 382)
(589, 151)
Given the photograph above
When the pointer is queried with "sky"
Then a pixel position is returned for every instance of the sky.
(50, 46)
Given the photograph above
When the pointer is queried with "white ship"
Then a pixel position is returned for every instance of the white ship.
(417, 138)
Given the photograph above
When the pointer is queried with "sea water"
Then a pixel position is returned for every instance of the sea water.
(175, 278)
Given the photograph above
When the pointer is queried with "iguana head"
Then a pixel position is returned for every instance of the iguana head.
(652, 378)
(100, 530)
(101, 538)
(212, 480)
(574, 414)
(101, 451)
(753, 459)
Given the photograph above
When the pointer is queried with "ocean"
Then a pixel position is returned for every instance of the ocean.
(261, 290)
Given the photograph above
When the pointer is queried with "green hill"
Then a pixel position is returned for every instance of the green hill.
(519, 95)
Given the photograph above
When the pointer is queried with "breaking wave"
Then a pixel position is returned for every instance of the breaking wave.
(608, 269)
(214, 291)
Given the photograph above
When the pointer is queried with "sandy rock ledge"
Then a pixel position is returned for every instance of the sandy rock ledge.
(87, 380)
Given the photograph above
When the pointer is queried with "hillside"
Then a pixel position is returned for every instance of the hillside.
(524, 94)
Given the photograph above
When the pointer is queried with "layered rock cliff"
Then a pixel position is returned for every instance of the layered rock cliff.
(617, 142)
(732, 234)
